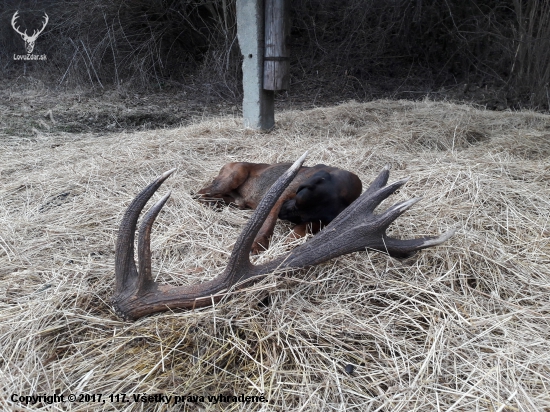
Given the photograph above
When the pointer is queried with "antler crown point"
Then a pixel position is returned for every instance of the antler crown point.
(167, 173)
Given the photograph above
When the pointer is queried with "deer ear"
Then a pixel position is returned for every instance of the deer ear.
(302, 193)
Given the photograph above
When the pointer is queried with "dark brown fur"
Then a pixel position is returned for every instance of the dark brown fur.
(244, 184)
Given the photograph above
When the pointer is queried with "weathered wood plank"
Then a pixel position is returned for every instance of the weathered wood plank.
(277, 53)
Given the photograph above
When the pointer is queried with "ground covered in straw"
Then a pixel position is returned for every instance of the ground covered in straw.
(461, 327)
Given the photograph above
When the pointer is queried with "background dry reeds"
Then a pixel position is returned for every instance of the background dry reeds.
(492, 52)
(461, 327)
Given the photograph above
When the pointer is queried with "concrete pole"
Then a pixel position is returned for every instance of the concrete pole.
(258, 104)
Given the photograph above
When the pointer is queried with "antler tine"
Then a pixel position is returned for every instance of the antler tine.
(145, 278)
(46, 20)
(241, 250)
(380, 181)
(372, 201)
(395, 211)
(405, 248)
(126, 273)
(13, 19)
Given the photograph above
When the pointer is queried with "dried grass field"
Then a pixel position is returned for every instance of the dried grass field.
(464, 326)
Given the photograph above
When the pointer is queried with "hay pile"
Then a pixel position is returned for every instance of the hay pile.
(461, 327)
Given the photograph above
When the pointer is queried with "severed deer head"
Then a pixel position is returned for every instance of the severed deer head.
(29, 40)
(356, 228)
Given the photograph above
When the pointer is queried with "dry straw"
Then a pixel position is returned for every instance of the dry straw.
(461, 327)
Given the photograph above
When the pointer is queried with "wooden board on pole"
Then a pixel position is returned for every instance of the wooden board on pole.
(277, 54)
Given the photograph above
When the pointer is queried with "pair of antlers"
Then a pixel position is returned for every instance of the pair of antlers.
(29, 40)
(356, 228)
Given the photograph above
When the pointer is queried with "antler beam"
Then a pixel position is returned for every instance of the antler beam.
(356, 228)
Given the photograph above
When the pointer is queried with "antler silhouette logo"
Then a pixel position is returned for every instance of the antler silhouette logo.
(29, 40)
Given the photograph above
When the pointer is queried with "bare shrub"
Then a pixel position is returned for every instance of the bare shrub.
(142, 42)
(340, 48)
